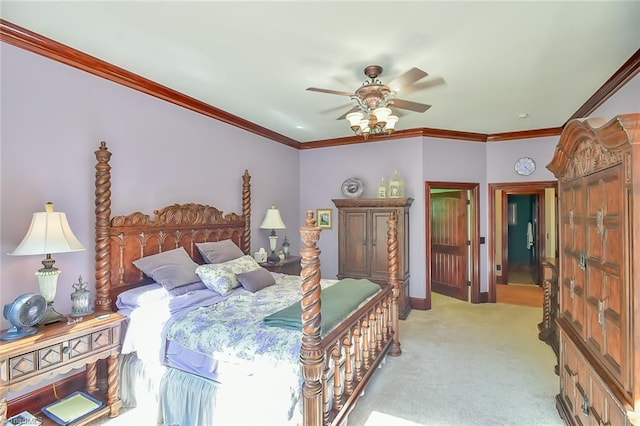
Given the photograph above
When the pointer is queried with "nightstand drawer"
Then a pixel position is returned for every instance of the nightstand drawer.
(51, 355)
(22, 365)
(79, 346)
(101, 338)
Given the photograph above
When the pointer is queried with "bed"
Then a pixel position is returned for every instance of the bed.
(333, 366)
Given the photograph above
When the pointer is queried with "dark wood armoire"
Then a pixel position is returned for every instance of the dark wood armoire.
(362, 242)
(597, 164)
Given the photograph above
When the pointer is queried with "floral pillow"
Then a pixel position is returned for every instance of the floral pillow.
(218, 278)
(242, 264)
(222, 277)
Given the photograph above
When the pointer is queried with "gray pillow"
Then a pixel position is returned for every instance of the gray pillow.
(256, 280)
(170, 269)
(219, 251)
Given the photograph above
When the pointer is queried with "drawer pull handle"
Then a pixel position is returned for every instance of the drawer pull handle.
(585, 405)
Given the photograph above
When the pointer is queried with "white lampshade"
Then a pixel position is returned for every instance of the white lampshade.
(391, 122)
(48, 233)
(355, 118)
(272, 220)
(382, 114)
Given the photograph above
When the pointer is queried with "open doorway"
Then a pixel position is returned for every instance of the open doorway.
(522, 217)
(452, 242)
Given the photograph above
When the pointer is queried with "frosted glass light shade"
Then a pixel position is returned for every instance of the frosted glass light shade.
(382, 114)
(355, 118)
(391, 122)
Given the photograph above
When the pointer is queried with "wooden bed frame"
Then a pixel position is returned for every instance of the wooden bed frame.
(335, 368)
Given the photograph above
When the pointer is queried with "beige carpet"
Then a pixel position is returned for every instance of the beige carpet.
(462, 364)
(465, 364)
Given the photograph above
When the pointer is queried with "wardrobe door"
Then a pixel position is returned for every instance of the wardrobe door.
(606, 296)
(353, 246)
(573, 254)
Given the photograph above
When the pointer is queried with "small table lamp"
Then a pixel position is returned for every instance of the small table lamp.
(273, 220)
(48, 233)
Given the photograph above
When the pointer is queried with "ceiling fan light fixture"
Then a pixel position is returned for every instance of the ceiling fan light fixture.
(382, 114)
(373, 114)
(354, 119)
(391, 123)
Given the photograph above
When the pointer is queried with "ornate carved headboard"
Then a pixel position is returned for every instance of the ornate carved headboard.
(122, 239)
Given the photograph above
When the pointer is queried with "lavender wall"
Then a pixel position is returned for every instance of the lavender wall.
(53, 119)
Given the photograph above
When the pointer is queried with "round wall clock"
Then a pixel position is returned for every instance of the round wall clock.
(525, 166)
(352, 187)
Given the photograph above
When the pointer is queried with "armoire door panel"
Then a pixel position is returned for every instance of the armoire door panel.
(355, 245)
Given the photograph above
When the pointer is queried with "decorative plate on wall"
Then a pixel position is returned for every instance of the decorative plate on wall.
(352, 187)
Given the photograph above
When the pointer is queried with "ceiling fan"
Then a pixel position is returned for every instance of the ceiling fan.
(373, 114)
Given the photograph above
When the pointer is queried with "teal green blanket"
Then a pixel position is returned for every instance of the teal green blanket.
(338, 301)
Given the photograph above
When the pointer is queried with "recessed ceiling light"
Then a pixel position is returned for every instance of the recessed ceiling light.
(523, 115)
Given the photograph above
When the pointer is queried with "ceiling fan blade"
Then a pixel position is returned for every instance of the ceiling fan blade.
(423, 85)
(331, 92)
(343, 116)
(412, 106)
(409, 77)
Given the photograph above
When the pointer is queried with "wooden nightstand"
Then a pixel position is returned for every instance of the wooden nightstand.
(58, 348)
(290, 265)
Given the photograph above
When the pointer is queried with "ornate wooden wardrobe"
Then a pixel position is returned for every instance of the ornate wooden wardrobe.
(362, 236)
(597, 164)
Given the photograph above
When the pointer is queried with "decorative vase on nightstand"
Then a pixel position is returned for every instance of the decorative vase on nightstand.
(285, 247)
(80, 299)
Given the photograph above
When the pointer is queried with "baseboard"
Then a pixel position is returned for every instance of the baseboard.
(484, 297)
(35, 400)
(421, 304)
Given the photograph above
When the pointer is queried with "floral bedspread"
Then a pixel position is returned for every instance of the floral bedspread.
(233, 332)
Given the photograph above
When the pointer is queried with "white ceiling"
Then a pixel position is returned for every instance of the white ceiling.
(495, 60)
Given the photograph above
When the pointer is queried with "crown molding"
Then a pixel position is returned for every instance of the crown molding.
(33, 42)
(36, 43)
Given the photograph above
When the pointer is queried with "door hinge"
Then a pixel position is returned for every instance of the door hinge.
(468, 202)
(468, 283)
(468, 242)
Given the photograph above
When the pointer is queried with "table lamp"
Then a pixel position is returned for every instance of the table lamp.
(48, 233)
(273, 220)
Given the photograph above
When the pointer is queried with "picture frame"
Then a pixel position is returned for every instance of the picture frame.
(325, 218)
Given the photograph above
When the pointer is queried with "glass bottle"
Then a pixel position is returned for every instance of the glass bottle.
(396, 186)
(382, 188)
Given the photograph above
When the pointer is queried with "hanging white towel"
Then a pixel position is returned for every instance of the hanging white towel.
(529, 236)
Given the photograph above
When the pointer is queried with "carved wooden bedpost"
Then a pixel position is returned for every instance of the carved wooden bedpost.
(246, 211)
(394, 281)
(311, 353)
(103, 215)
